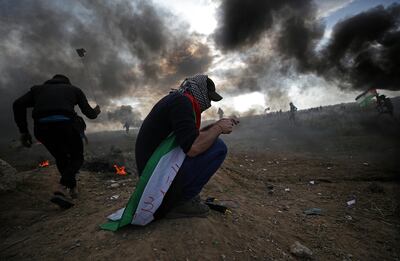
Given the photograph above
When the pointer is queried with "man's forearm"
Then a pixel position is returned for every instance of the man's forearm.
(207, 127)
(205, 139)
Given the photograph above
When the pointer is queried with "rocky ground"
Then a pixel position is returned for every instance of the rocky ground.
(340, 165)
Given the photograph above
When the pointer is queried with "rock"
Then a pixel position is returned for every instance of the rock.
(114, 185)
(300, 250)
(313, 211)
(8, 177)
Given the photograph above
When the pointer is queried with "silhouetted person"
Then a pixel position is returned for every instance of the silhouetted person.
(54, 117)
(220, 113)
(384, 104)
(293, 109)
(126, 126)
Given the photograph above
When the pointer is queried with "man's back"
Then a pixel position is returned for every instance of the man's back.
(172, 114)
(54, 98)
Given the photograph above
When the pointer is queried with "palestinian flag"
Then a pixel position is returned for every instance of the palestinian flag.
(366, 97)
(157, 176)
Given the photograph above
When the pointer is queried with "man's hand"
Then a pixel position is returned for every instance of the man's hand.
(26, 140)
(226, 125)
(97, 109)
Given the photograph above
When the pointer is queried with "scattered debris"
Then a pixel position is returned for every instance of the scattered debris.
(348, 217)
(325, 180)
(270, 188)
(213, 204)
(351, 202)
(366, 164)
(287, 189)
(313, 211)
(312, 182)
(114, 197)
(300, 250)
(114, 185)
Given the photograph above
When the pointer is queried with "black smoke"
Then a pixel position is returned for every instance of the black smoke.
(243, 23)
(363, 51)
(132, 46)
(125, 114)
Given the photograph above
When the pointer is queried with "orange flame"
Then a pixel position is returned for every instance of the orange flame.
(44, 164)
(120, 170)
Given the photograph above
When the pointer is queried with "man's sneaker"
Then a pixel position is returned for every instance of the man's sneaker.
(59, 198)
(190, 208)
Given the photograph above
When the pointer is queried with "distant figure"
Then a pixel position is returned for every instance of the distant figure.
(384, 104)
(53, 112)
(293, 110)
(220, 113)
(80, 125)
(266, 110)
(126, 126)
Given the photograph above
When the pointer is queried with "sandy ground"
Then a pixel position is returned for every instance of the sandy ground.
(266, 183)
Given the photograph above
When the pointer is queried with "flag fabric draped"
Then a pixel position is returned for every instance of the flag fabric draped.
(366, 97)
(157, 177)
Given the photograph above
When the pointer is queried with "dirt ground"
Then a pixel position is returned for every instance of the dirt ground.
(266, 183)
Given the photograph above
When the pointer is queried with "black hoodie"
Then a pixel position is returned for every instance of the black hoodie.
(55, 97)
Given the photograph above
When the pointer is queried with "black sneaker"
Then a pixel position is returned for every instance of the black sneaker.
(190, 208)
(61, 200)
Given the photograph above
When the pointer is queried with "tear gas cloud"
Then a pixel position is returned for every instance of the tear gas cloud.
(278, 41)
(135, 48)
(125, 114)
(131, 50)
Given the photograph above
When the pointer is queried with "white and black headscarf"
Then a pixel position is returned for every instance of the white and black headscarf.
(197, 86)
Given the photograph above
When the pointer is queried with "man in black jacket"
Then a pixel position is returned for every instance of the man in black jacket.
(53, 112)
(179, 113)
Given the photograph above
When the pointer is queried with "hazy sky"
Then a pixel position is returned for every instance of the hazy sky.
(259, 53)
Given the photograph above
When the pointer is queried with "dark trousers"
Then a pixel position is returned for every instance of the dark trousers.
(193, 175)
(64, 143)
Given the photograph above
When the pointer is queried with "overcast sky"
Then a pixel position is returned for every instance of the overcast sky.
(259, 53)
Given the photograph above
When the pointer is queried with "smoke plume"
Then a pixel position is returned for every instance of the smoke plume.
(125, 114)
(132, 47)
(363, 51)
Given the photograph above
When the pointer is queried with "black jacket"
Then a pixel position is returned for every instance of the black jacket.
(172, 114)
(54, 97)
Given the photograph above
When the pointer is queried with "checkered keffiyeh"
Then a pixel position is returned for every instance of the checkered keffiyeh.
(197, 86)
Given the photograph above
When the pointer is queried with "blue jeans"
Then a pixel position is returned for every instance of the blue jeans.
(198, 170)
(192, 176)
